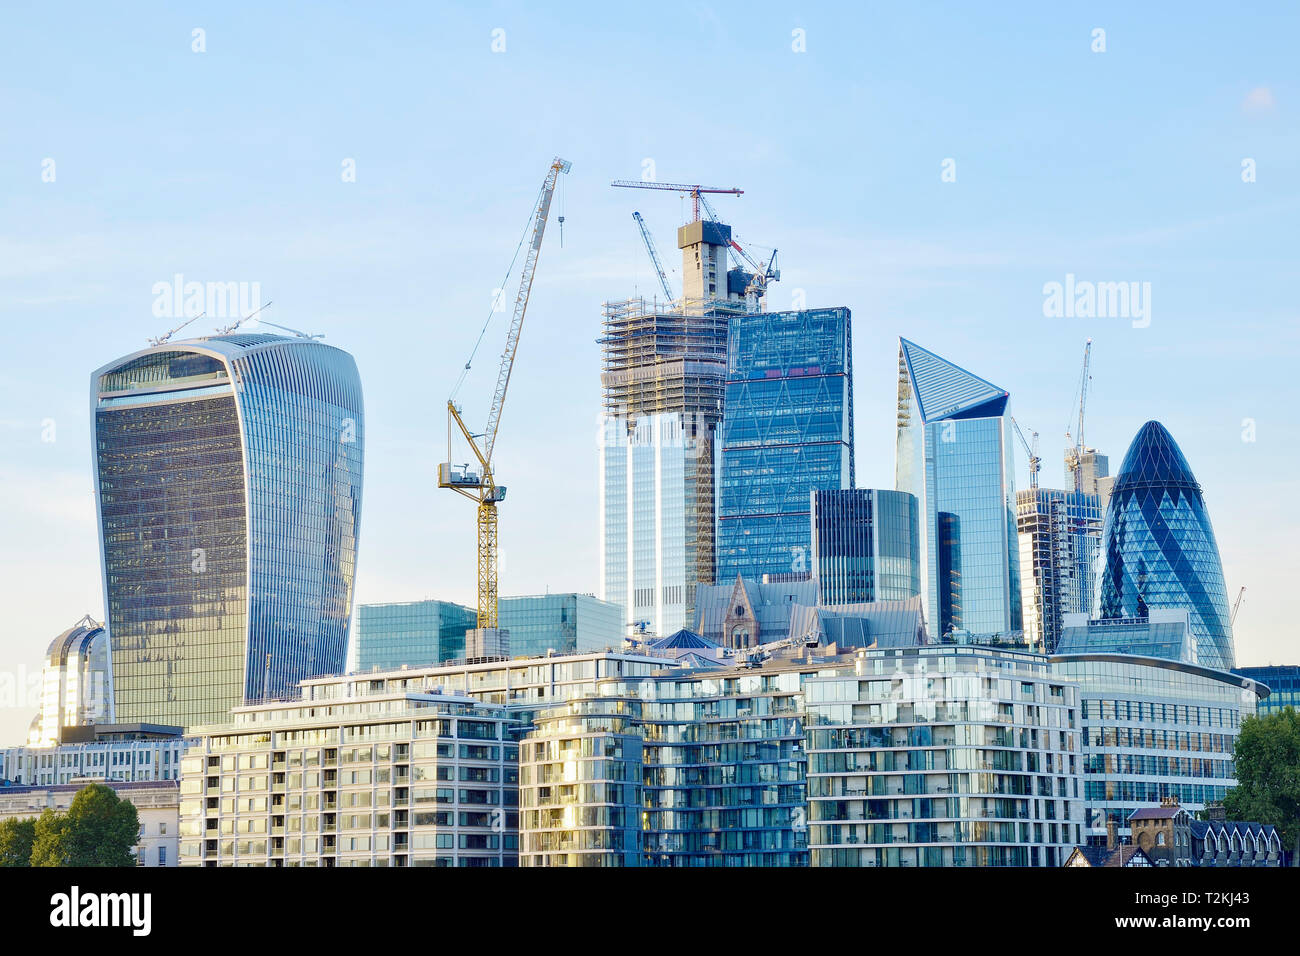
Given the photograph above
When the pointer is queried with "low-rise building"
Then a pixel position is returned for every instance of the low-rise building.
(1154, 730)
(938, 756)
(108, 753)
(353, 774)
(157, 803)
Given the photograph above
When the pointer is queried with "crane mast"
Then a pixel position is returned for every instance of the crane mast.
(482, 486)
(654, 257)
(1074, 453)
(1032, 450)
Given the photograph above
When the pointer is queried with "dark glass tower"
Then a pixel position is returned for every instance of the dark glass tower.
(228, 485)
(787, 430)
(1158, 548)
(865, 545)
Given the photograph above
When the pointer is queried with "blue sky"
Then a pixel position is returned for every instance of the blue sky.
(225, 165)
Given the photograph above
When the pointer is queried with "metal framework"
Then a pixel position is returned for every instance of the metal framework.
(482, 486)
(654, 257)
(694, 191)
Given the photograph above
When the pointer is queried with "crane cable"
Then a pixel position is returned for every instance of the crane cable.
(492, 309)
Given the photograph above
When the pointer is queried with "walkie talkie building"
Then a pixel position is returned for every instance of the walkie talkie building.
(228, 486)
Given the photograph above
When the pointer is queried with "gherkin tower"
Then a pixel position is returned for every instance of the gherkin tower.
(1158, 548)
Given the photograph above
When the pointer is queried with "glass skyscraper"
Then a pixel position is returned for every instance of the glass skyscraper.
(787, 430)
(1158, 548)
(228, 483)
(954, 453)
(865, 545)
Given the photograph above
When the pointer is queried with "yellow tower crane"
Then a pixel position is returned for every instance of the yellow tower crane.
(481, 486)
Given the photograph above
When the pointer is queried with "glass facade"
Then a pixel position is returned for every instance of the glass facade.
(412, 633)
(1154, 729)
(563, 623)
(865, 545)
(1059, 535)
(1283, 682)
(424, 633)
(1158, 548)
(954, 453)
(646, 504)
(228, 481)
(787, 430)
(956, 758)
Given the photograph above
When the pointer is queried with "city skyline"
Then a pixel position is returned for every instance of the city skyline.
(908, 253)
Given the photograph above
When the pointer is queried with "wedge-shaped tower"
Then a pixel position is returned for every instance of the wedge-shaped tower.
(1158, 548)
(954, 453)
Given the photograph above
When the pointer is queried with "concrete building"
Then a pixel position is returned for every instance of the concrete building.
(865, 545)
(156, 802)
(103, 753)
(943, 756)
(352, 774)
(228, 477)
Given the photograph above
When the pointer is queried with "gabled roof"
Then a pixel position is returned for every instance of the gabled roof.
(944, 390)
(1106, 856)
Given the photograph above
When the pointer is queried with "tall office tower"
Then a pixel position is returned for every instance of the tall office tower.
(865, 545)
(663, 380)
(787, 431)
(954, 452)
(1059, 539)
(228, 485)
(1158, 548)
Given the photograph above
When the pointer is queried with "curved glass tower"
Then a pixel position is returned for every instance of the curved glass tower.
(228, 485)
(1158, 549)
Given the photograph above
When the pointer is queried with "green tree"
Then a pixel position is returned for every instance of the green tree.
(99, 829)
(16, 839)
(49, 836)
(1268, 775)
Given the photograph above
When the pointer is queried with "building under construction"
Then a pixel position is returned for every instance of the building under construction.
(663, 377)
(1059, 535)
